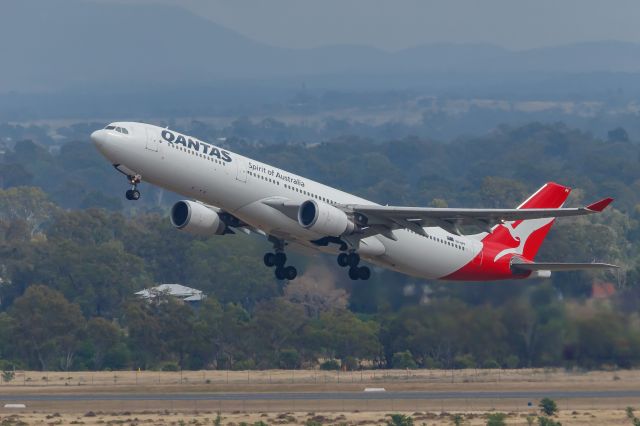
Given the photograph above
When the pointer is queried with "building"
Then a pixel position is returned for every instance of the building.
(186, 294)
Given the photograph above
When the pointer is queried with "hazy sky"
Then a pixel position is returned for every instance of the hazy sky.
(396, 24)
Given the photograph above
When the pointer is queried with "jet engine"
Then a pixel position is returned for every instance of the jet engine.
(196, 219)
(324, 219)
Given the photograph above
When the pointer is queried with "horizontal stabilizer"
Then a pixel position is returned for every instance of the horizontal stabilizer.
(554, 266)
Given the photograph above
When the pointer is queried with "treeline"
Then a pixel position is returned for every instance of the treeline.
(72, 252)
(69, 278)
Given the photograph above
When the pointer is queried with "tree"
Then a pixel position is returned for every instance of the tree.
(103, 335)
(49, 327)
(26, 203)
(99, 279)
(144, 330)
(276, 325)
(496, 419)
(341, 334)
(548, 406)
(403, 360)
(619, 134)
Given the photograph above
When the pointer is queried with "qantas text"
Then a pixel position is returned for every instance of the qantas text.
(196, 145)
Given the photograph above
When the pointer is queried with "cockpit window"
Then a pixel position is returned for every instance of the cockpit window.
(125, 131)
(110, 128)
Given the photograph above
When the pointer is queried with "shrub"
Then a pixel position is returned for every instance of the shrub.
(350, 363)
(329, 365)
(496, 419)
(432, 363)
(464, 361)
(512, 361)
(289, 358)
(548, 406)
(490, 363)
(400, 420)
(8, 375)
(546, 421)
(170, 366)
(403, 360)
(630, 413)
(245, 364)
(457, 419)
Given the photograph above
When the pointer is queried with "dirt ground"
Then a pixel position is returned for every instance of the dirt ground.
(309, 380)
(335, 411)
(601, 417)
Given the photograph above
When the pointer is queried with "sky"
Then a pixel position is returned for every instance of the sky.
(398, 24)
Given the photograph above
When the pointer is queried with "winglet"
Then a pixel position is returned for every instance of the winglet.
(598, 206)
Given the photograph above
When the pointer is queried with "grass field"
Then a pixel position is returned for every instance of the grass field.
(573, 411)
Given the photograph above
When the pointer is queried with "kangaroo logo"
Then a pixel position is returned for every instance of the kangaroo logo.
(520, 231)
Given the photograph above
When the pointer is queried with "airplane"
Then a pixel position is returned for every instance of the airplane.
(229, 192)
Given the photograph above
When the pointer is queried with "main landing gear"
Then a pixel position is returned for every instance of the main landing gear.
(279, 259)
(352, 260)
(133, 193)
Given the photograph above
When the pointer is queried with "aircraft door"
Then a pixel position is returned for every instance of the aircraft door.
(241, 173)
(152, 140)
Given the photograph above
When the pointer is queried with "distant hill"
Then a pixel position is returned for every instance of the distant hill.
(72, 44)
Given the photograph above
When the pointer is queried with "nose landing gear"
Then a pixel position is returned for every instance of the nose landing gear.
(352, 260)
(133, 193)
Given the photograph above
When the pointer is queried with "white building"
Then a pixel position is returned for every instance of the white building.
(184, 293)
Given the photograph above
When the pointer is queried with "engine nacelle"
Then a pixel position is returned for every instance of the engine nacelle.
(324, 219)
(196, 219)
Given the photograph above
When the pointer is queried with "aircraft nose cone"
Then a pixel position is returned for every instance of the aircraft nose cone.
(97, 137)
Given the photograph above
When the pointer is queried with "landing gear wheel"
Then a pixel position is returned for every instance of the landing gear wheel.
(132, 194)
(280, 273)
(354, 273)
(280, 258)
(290, 273)
(343, 259)
(364, 273)
(353, 259)
(269, 260)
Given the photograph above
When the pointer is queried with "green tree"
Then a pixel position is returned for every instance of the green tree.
(548, 406)
(342, 334)
(28, 204)
(403, 360)
(276, 324)
(103, 335)
(49, 327)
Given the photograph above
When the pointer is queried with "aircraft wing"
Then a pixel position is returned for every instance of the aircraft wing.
(414, 218)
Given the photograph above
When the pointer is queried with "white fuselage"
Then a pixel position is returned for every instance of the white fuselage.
(239, 185)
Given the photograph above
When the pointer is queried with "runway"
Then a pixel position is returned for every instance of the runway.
(319, 396)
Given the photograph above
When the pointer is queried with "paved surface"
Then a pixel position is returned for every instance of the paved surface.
(318, 396)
